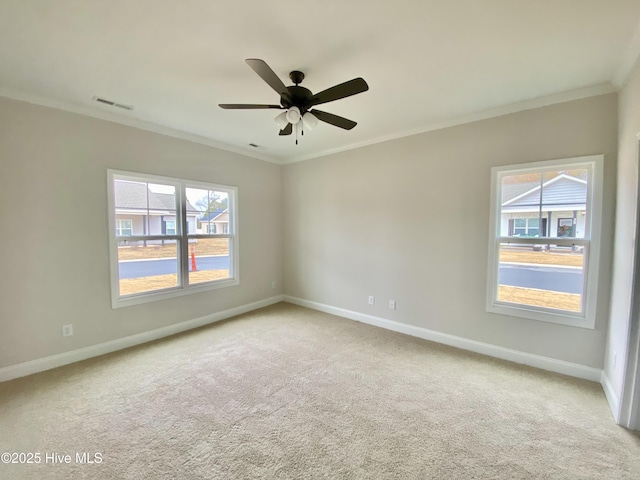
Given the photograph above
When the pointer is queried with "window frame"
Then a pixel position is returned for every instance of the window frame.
(182, 238)
(590, 242)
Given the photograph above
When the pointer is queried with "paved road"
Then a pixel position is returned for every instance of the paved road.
(568, 280)
(558, 279)
(147, 268)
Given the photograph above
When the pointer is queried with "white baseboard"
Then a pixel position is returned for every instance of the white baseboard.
(612, 398)
(538, 361)
(58, 360)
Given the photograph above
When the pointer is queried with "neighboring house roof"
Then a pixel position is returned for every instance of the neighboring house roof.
(563, 190)
(512, 190)
(133, 195)
(207, 217)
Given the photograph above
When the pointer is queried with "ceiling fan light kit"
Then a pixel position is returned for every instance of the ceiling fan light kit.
(281, 120)
(298, 101)
(293, 115)
(310, 121)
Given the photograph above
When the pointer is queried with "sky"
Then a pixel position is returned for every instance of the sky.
(193, 194)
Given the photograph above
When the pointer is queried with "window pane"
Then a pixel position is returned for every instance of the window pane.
(208, 259)
(148, 206)
(548, 276)
(520, 203)
(197, 206)
(553, 203)
(209, 209)
(533, 227)
(146, 266)
(564, 195)
(124, 227)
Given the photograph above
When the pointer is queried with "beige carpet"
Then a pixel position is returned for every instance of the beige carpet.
(287, 392)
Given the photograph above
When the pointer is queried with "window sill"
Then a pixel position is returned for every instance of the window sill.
(137, 299)
(543, 315)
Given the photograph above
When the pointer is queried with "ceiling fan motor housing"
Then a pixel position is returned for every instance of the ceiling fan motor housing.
(297, 96)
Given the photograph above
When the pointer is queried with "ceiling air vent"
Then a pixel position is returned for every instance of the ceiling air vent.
(112, 103)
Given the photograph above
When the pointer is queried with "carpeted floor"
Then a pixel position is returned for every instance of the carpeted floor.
(286, 392)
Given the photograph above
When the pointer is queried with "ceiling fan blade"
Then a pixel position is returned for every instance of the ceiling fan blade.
(288, 130)
(268, 75)
(334, 119)
(245, 106)
(346, 89)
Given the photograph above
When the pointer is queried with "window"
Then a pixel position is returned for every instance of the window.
(526, 227)
(170, 227)
(163, 246)
(544, 240)
(566, 227)
(124, 227)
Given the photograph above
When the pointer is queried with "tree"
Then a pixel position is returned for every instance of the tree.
(212, 203)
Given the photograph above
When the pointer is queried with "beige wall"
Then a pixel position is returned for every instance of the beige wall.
(408, 220)
(53, 171)
(625, 225)
(405, 220)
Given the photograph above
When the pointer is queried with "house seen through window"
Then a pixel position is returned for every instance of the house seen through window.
(170, 237)
(543, 252)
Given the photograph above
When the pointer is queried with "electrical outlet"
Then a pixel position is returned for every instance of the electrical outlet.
(372, 300)
(67, 330)
(273, 284)
(392, 304)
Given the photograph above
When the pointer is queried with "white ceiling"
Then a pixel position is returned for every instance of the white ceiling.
(428, 63)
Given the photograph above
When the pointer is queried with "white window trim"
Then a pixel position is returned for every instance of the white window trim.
(183, 240)
(587, 318)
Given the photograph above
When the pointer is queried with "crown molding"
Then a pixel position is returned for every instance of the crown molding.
(578, 94)
(592, 91)
(101, 114)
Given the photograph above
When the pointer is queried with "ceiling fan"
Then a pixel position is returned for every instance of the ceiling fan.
(298, 101)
